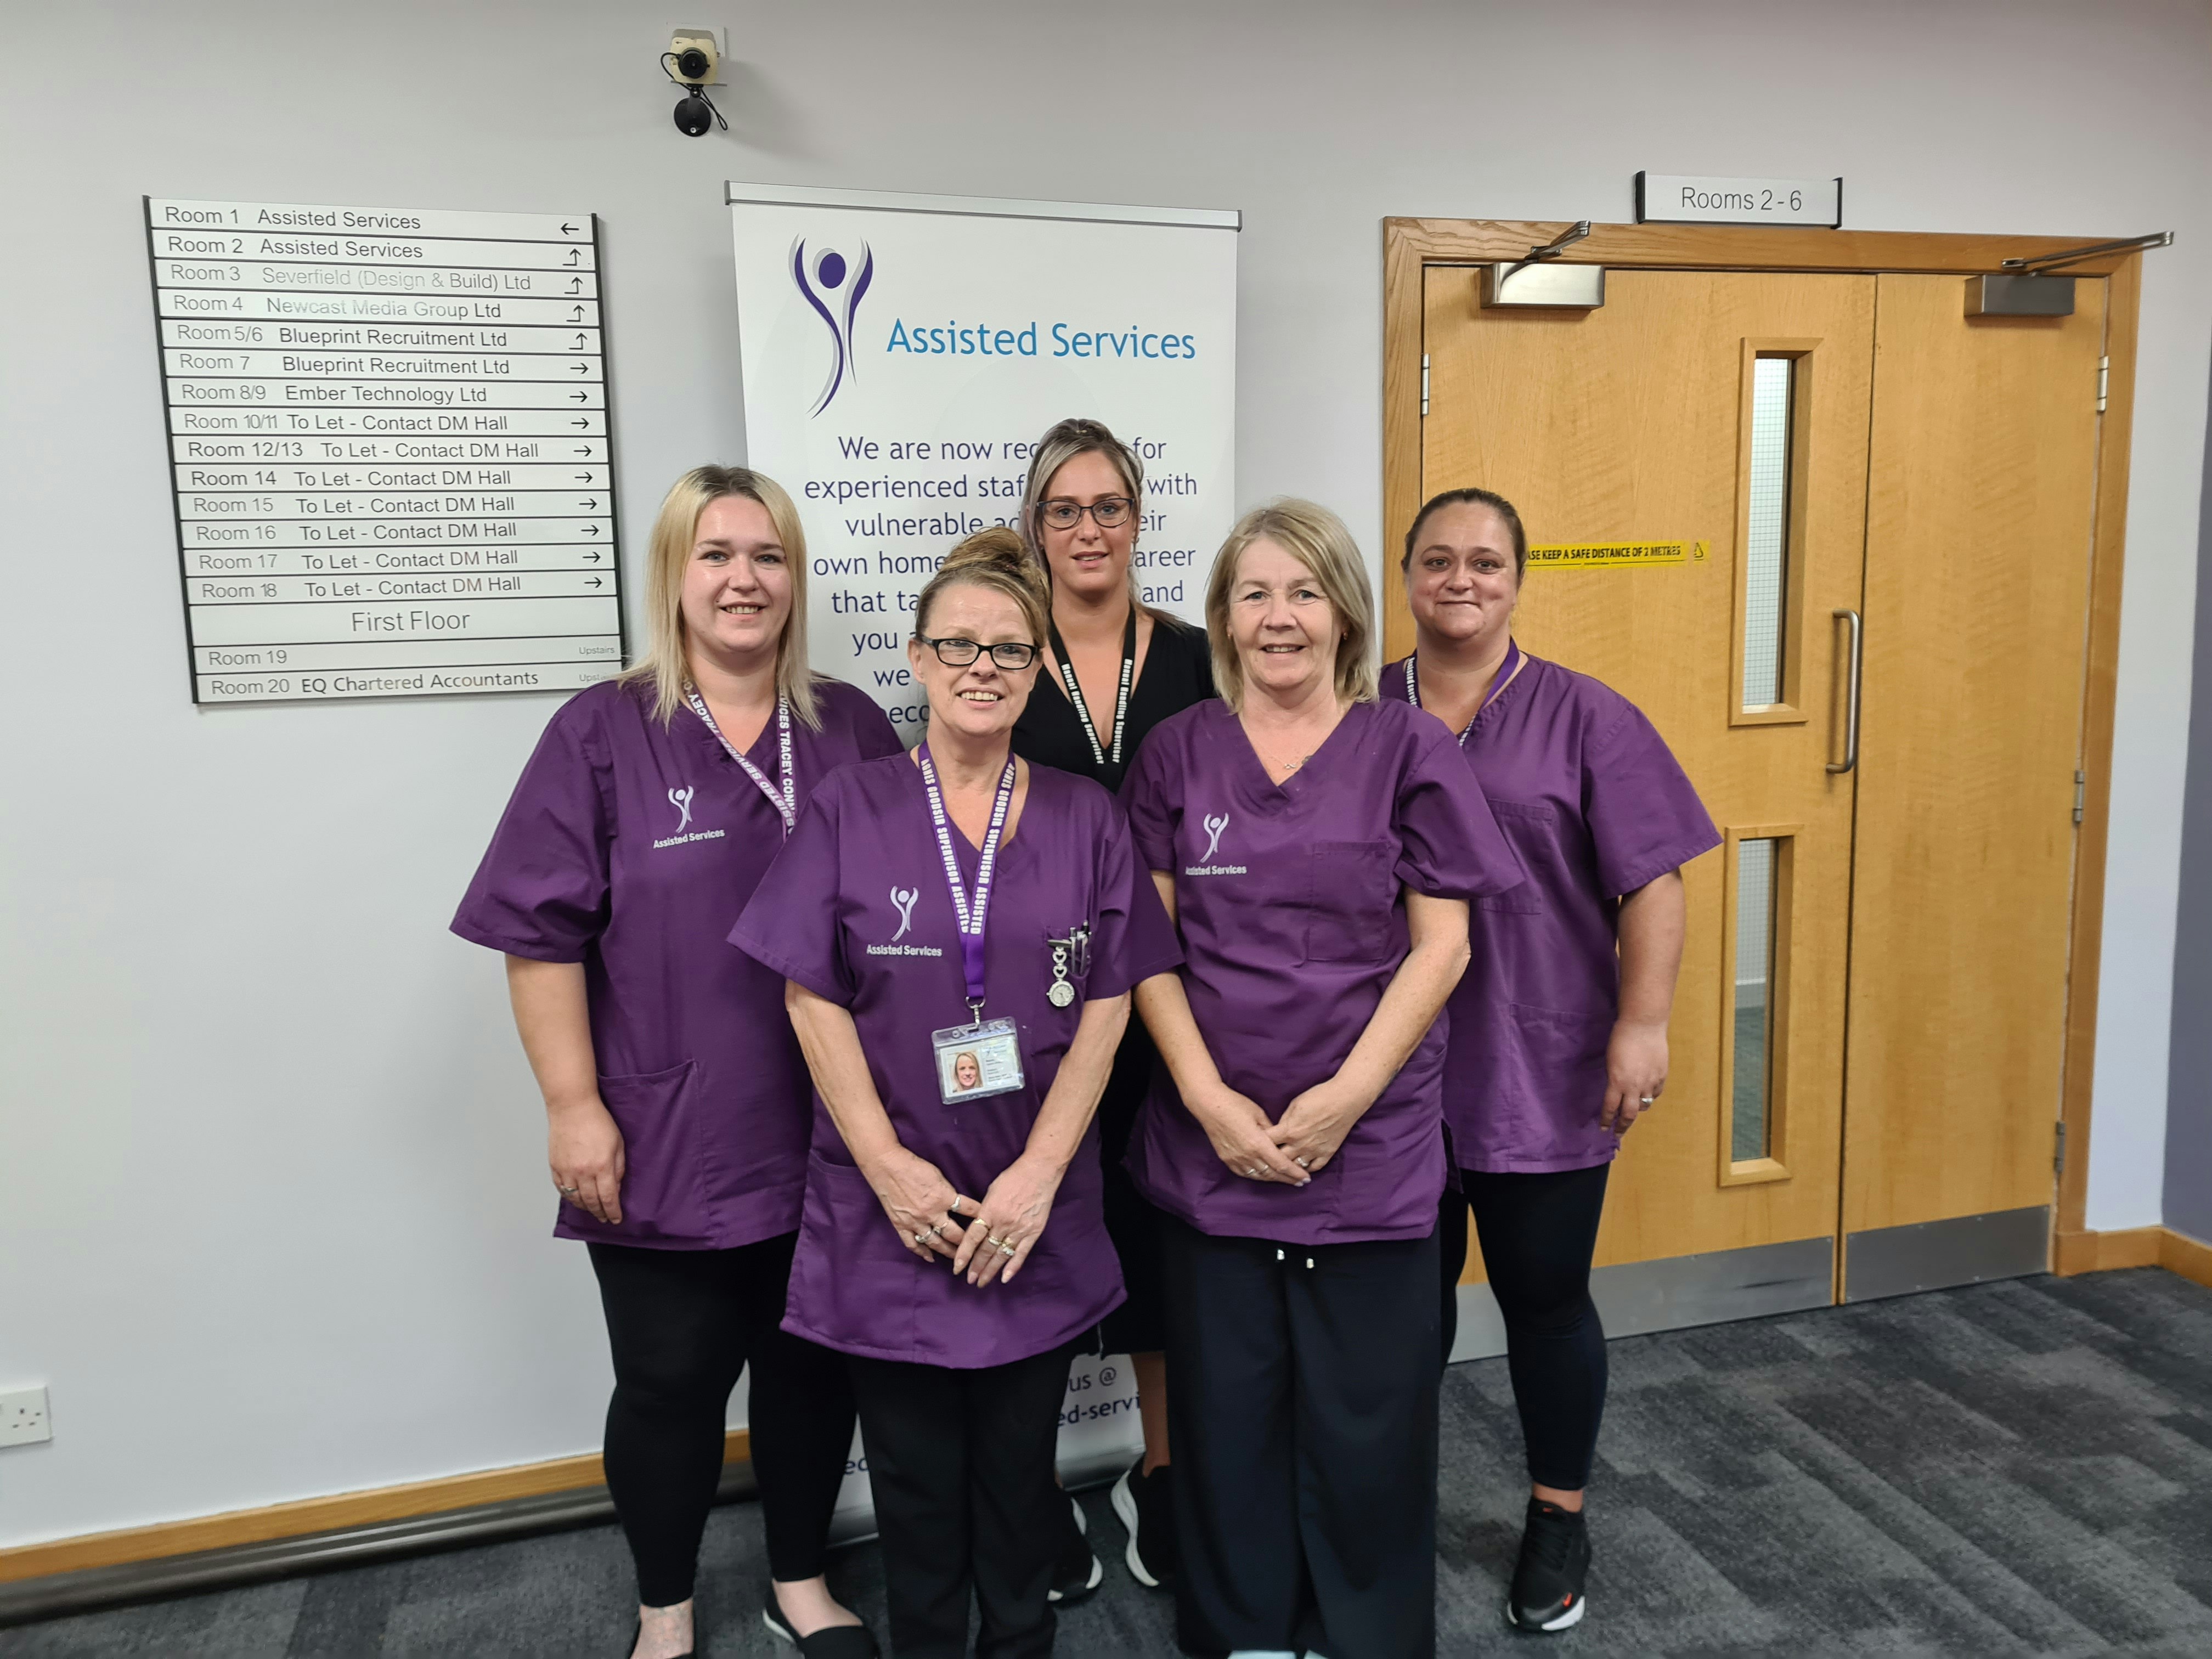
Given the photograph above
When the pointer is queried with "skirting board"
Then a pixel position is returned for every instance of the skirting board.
(2135, 1247)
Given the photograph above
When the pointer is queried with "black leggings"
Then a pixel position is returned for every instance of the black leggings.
(1538, 1233)
(682, 1324)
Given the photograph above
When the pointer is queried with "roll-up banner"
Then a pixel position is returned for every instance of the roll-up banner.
(903, 354)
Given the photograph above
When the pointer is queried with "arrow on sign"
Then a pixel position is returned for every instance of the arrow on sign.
(592, 505)
(593, 555)
(581, 395)
(567, 229)
(575, 255)
(591, 530)
(582, 368)
(577, 315)
(582, 478)
(583, 449)
(578, 346)
(593, 581)
(580, 420)
(575, 285)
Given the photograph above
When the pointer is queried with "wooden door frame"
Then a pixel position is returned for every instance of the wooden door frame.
(1410, 245)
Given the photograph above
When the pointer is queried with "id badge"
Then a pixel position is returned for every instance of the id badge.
(973, 1061)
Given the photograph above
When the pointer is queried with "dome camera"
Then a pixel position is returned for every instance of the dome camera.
(694, 115)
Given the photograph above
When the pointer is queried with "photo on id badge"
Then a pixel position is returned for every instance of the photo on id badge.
(972, 1060)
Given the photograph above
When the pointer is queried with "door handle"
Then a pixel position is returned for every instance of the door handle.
(1851, 708)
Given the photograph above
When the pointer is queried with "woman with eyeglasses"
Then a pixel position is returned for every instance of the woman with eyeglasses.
(676, 1098)
(1117, 668)
(960, 930)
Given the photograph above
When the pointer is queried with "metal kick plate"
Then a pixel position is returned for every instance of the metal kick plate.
(1637, 1297)
(1934, 1254)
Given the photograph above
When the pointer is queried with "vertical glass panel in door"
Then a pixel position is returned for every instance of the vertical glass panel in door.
(1766, 547)
(1751, 1115)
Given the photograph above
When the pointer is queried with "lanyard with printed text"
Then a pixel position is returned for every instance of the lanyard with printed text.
(1505, 674)
(1100, 753)
(969, 914)
(785, 800)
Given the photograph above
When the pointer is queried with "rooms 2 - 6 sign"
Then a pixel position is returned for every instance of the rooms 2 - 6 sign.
(903, 355)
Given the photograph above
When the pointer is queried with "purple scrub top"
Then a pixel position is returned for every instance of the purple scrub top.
(858, 913)
(1596, 804)
(630, 847)
(1288, 900)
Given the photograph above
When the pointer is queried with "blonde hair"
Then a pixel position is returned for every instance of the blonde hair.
(1067, 439)
(1316, 539)
(994, 559)
(666, 664)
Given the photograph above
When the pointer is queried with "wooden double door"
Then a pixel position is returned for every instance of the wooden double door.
(1834, 537)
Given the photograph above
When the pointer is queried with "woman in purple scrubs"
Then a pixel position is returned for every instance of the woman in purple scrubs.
(960, 930)
(676, 1095)
(1319, 847)
(1117, 668)
(1558, 1030)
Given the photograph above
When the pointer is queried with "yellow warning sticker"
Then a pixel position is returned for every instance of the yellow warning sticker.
(1589, 555)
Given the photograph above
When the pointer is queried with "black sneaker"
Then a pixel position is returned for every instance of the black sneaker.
(1548, 1585)
(1079, 1573)
(1144, 1505)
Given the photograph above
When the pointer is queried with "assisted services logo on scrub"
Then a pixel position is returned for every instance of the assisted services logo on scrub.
(681, 801)
(823, 284)
(1213, 824)
(902, 899)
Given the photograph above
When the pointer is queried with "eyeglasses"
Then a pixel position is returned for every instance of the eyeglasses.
(1066, 515)
(957, 653)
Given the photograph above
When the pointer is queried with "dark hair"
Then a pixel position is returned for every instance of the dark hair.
(1489, 498)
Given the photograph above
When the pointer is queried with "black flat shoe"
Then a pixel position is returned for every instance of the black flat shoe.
(836, 1642)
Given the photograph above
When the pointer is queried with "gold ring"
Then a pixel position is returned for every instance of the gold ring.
(1005, 1250)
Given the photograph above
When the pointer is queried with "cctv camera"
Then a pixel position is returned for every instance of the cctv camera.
(693, 65)
(694, 56)
(694, 115)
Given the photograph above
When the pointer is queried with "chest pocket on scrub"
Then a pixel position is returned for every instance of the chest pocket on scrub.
(1351, 898)
(1527, 826)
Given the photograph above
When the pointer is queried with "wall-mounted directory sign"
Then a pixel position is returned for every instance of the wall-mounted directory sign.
(1687, 199)
(388, 448)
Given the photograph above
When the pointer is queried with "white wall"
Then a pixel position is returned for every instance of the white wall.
(272, 1215)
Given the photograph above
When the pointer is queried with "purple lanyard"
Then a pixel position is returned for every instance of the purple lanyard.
(786, 800)
(969, 915)
(1505, 674)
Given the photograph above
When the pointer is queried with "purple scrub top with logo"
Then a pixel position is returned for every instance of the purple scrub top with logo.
(1288, 898)
(858, 912)
(1596, 804)
(631, 847)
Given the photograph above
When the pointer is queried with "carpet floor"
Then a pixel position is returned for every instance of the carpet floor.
(2017, 1468)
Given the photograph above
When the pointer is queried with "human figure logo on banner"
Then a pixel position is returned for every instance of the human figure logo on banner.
(830, 269)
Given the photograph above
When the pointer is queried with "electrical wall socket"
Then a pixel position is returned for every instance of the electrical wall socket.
(23, 1417)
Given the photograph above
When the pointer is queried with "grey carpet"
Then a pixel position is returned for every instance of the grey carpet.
(2012, 1469)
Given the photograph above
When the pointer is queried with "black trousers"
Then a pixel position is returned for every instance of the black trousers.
(1302, 1403)
(684, 1324)
(1538, 1234)
(961, 1462)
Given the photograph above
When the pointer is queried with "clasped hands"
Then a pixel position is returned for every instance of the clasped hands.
(1290, 1150)
(986, 1241)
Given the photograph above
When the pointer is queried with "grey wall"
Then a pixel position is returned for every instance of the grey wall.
(2189, 1099)
(272, 1200)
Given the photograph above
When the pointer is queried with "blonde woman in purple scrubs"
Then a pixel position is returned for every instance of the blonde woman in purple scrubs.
(960, 930)
(1558, 1030)
(676, 1097)
(1319, 848)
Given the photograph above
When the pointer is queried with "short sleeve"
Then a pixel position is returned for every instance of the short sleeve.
(1133, 938)
(791, 925)
(1449, 845)
(1149, 797)
(542, 890)
(1644, 817)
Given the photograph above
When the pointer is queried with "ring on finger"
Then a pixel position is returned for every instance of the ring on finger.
(1300, 1162)
(569, 1191)
(1648, 1099)
(994, 1241)
(1007, 1249)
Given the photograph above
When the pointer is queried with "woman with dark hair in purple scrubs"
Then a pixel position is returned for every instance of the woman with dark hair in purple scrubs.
(1319, 848)
(1558, 1030)
(676, 1096)
(960, 930)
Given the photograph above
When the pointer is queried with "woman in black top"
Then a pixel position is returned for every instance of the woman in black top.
(1116, 669)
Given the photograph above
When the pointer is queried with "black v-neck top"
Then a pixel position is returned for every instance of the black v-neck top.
(1177, 671)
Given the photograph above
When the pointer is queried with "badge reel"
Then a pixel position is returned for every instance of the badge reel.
(982, 1058)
